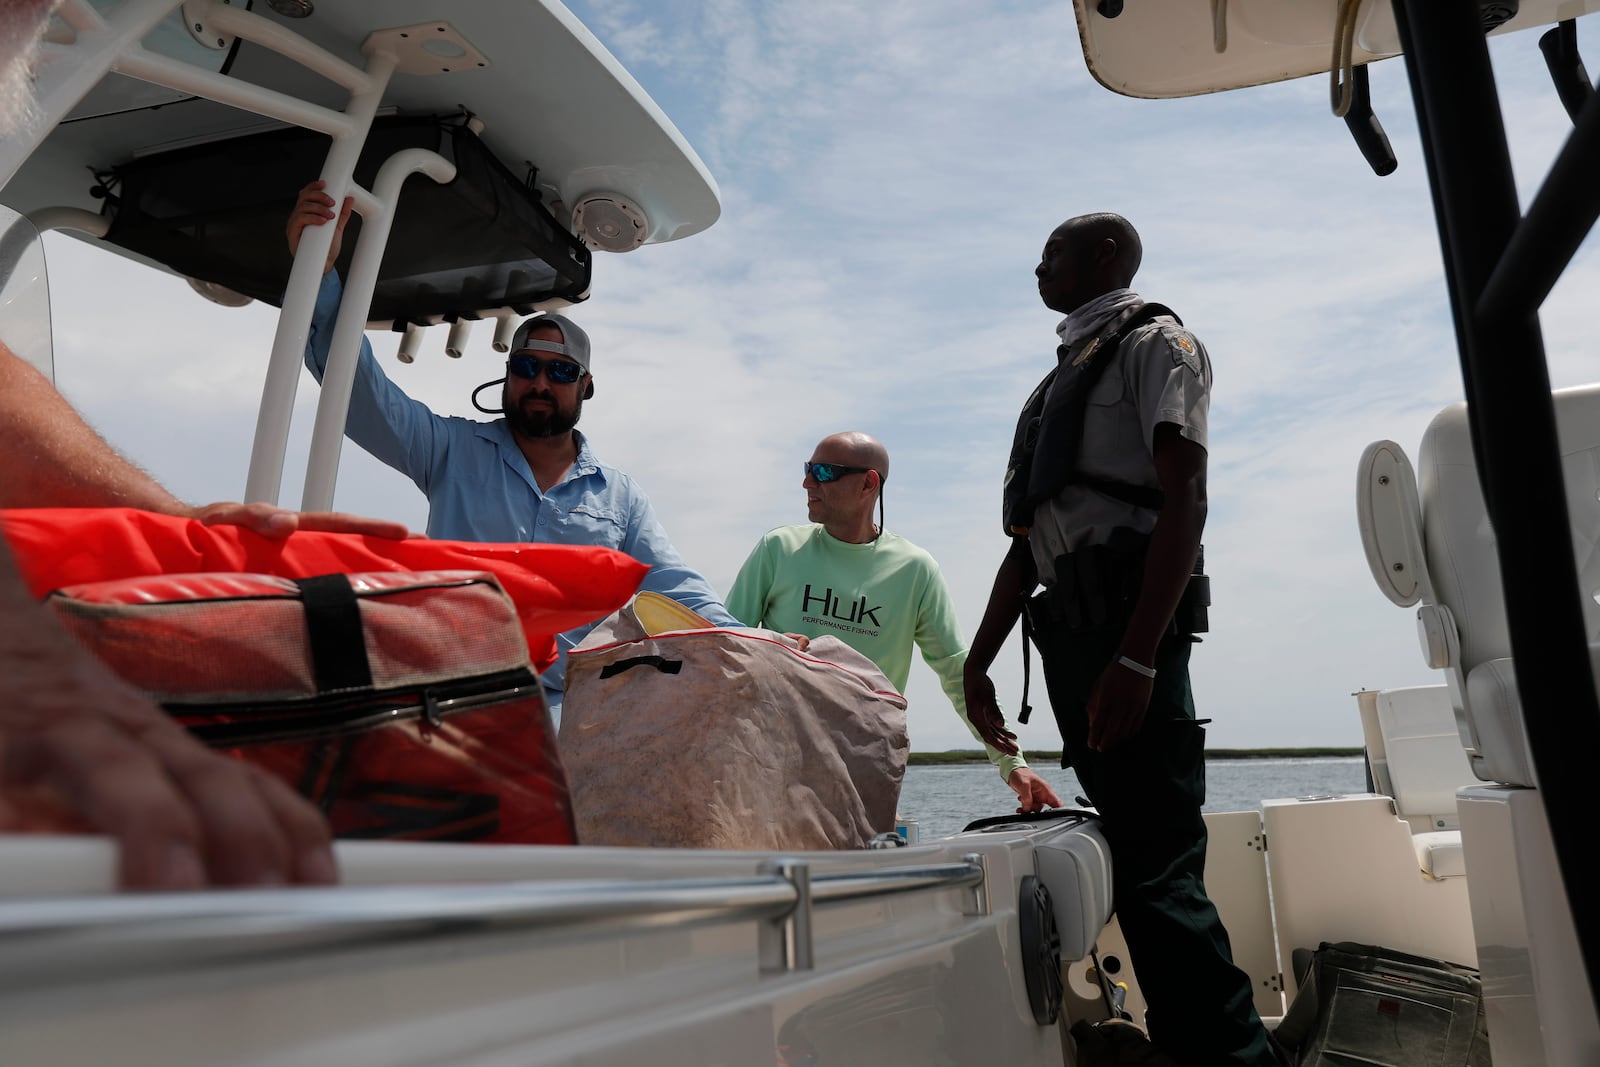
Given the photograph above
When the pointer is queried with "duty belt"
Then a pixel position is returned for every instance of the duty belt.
(1099, 586)
(1091, 608)
(1050, 609)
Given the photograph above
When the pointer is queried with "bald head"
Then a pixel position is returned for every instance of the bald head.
(1108, 236)
(856, 449)
(1086, 257)
(844, 503)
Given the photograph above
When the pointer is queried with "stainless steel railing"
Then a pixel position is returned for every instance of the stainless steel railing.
(61, 941)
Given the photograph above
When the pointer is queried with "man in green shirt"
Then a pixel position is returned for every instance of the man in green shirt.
(845, 576)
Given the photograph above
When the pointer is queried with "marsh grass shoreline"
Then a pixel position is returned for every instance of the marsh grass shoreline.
(972, 755)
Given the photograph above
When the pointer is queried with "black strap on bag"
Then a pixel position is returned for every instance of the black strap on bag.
(333, 626)
(660, 663)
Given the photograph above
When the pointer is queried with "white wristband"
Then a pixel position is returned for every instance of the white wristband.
(1135, 665)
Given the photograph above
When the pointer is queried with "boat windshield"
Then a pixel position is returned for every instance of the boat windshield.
(25, 292)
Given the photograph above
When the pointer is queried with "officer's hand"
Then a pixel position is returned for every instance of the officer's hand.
(983, 711)
(1033, 792)
(1117, 706)
(314, 208)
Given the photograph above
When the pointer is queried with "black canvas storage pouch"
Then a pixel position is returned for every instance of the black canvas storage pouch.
(1366, 1006)
(216, 212)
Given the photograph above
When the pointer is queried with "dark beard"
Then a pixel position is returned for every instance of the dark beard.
(527, 423)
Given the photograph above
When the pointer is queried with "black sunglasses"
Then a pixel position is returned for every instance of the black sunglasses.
(831, 472)
(560, 371)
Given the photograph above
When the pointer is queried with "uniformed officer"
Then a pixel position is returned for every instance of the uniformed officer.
(1105, 500)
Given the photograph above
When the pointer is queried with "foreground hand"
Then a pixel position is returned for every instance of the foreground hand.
(1033, 792)
(80, 750)
(278, 523)
(983, 711)
(801, 641)
(1117, 706)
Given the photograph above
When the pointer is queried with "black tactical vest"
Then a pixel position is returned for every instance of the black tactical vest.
(1044, 451)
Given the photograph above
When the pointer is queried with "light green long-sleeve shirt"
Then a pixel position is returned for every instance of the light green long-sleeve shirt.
(879, 598)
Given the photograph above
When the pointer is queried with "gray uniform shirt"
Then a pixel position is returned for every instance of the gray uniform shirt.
(1160, 373)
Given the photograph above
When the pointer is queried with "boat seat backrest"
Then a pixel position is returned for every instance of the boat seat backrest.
(1458, 541)
(1462, 595)
(1417, 756)
(1389, 512)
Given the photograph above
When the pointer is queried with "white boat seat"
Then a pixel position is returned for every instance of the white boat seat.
(1076, 867)
(1416, 754)
(1497, 713)
(1417, 760)
(1428, 540)
(1439, 854)
(1497, 717)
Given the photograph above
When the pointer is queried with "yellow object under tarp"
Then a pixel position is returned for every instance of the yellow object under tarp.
(660, 614)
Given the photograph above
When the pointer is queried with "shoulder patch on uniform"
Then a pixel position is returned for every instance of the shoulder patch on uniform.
(1181, 343)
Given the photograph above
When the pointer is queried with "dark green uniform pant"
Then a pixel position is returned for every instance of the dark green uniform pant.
(1149, 791)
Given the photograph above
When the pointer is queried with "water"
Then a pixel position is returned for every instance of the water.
(943, 799)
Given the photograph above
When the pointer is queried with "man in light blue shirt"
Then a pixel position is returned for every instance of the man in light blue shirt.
(527, 476)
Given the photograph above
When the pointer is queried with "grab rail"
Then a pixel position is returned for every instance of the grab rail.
(852, 886)
(53, 942)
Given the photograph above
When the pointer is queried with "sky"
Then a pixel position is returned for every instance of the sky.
(889, 172)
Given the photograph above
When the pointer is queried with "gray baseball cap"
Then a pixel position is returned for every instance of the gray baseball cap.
(574, 342)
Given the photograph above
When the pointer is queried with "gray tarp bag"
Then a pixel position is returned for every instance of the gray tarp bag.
(676, 733)
(1365, 1006)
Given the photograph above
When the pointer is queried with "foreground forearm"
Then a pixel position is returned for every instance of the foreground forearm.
(54, 459)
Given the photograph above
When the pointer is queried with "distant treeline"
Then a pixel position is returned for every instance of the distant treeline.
(972, 755)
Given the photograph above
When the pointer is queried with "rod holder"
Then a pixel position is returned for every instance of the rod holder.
(505, 328)
(979, 902)
(785, 943)
(456, 343)
(410, 341)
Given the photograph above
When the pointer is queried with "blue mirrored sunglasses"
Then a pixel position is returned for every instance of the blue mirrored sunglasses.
(832, 472)
(561, 371)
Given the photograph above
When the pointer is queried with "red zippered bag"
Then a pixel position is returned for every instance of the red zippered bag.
(401, 704)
